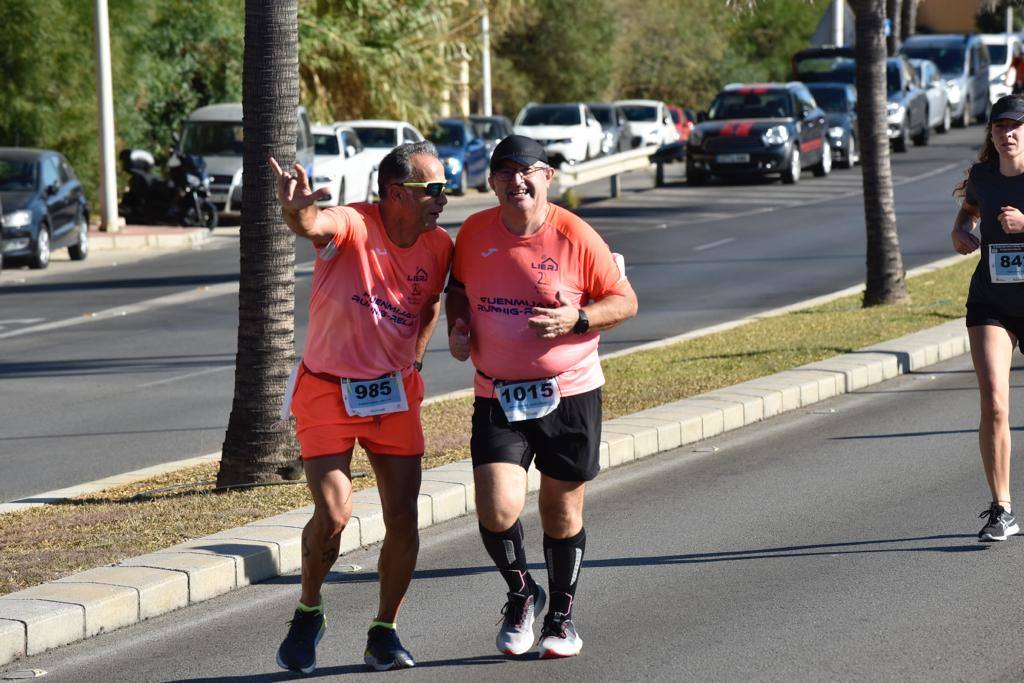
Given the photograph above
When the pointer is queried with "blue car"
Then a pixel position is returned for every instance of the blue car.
(44, 207)
(463, 154)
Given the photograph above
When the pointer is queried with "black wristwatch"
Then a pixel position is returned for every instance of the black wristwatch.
(418, 365)
(582, 323)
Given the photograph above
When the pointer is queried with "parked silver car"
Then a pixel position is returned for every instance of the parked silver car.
(615, 126)
(940, 112)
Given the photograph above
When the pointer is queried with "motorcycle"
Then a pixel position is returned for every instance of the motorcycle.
(182, 198)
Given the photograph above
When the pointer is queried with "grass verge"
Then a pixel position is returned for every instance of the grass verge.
(47, 543)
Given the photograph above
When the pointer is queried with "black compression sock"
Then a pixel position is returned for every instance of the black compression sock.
(564, 557)
(509, 556)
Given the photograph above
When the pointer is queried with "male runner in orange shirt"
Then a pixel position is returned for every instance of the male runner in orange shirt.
(531, 286)
(374, 302)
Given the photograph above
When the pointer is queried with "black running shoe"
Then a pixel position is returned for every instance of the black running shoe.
(558, 638)
(999, 526)
(298, 651)
(384, 650)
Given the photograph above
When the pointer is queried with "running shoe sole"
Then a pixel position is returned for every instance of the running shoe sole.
(549, 653)
(311, 667)
(1010, 531)
(399, 662)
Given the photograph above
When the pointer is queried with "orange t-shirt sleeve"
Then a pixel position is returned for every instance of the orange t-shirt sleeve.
(341, 218)
(601, 275)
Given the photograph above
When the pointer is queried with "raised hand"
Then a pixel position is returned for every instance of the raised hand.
(296, 197)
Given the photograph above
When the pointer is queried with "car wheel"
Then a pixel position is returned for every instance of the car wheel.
(463, 181)
(901, 143)
(695, 178)
(921, 139)
(965, 118)
(41, 252)
(80, 250)
(824, 167)
(851, 153)
(791, 175)
(947, 120)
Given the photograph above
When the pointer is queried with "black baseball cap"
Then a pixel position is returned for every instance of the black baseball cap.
(520, 149)
(1008, 107)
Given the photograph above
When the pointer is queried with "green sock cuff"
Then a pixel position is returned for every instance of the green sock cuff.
(315, 608)
(386, 624)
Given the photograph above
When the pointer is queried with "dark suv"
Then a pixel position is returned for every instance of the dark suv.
(963, 60)
(759, 129)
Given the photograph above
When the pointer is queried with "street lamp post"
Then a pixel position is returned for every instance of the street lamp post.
(104, 92)
(485, 29)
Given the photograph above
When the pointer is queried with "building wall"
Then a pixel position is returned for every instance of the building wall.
(947, 16)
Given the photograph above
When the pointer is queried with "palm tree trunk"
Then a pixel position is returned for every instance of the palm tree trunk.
(894, 13)
(886, 282)
(255, 448)
(908, 22)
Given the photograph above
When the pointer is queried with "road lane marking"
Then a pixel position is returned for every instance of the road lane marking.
(189, 375)
(712, 245)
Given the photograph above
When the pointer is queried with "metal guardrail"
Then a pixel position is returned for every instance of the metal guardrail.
(611, 166)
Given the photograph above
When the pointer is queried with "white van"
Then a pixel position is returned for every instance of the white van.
(214, 132)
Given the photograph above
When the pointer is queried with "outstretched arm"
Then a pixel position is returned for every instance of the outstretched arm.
(298, 205)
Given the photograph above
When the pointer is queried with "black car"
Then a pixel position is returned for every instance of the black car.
(760, 129)
(839, 101)
(44, 207)
(907, 106)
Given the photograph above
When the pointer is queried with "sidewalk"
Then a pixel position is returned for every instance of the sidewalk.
(107, 598)
(148, 236)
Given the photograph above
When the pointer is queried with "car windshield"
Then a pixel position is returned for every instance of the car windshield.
(488, 129)
(949, 58)
(997, 53)
(18, 175)
(750, 105)
(640, 113)
(449, 134)
(212, 138)
(552, 115)
(819, 69)
(378, 137)
(325, 145)
(892, 79)
(603, 115)
(832, 100)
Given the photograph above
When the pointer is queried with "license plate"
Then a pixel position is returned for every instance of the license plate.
(732, 158)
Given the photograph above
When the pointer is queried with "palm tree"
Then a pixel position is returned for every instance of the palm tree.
(894, 13)
(886, 281)
(255, 448)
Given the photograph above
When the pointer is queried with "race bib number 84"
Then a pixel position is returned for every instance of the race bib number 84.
(1006, 262)
(527, 400)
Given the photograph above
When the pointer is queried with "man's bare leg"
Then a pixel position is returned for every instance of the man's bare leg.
(398, 481)
(330, 483)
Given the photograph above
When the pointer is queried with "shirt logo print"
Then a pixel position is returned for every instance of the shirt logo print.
(487, 253)
(381, 251)
(420, 276)
(547, 264)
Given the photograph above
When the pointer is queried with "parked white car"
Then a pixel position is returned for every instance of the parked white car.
(342, 166)
(380, 136)
(568, 131)
(1001, 75)
(650, 122)
(940, 112)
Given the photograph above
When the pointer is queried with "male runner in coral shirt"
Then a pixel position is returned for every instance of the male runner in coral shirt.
(531, 286)
(373, 306)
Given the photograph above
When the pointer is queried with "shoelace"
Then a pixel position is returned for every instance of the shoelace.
(514, 610)
(992, 513)
(301, 626)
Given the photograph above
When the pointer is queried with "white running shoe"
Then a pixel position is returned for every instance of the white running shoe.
(559, 638)
(516, 634)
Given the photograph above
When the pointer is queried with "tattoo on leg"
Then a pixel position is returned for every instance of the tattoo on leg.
(329, 556)
(305, 546)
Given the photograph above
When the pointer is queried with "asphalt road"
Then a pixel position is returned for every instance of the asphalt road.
(835, 543)
(112, 368)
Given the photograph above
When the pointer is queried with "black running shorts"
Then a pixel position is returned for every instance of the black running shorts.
(979, 314)
(566, 441)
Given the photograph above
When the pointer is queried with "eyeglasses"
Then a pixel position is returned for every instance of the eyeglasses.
(435, 189)
(507, 174)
